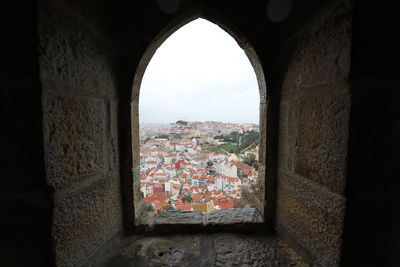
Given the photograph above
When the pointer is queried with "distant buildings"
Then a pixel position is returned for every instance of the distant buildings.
(179, 173)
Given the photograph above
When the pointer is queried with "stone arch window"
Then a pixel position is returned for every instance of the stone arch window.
(260, 195)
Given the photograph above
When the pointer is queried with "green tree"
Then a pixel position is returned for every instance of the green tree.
(187, 199)
(251, 160)
(163, 136)
(182, 122)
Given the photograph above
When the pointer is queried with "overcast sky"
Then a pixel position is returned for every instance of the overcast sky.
(199, 73)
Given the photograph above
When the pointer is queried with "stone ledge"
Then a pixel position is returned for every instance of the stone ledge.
(229, 216)
(203, 250)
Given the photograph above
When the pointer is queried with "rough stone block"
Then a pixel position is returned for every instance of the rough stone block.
(157, 251)
(74, 131)
(322, 53)
(73, 55)
(312, 216)
(113, 137)
(97, 15)
(241, 250)
(263, 133)
(135, 132)
(231, 216)
(204, 250)
(288, 123)
(322, 139)
(260, 191)
(84, 220)
(177, 217)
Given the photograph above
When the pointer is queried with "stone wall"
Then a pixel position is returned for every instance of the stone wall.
(314, 118)
(371, 234)
(66, 217)
(203, 250)
(25, 200)
(78, 75)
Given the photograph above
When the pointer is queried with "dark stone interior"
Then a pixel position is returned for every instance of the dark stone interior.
(68, 108)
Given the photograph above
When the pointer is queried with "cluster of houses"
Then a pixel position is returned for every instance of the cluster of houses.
(180, 175)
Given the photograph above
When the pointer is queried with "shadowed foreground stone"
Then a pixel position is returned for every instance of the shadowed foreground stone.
(241, 250)
(205, 250)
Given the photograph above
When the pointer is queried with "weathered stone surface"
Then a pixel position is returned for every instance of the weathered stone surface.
(259, 194)
(176, 217)
(84, 220)
(311, 215)
(314, 117)
(74, 130)
(322, 54)
(113, 136)
(96, 15)
(313, 138)
(158, 251)
(322, 138)
(241, 250)
(288, 123)
(204, 250)
(74, 56)
(230, 216)
(263, 132)
(138, 200)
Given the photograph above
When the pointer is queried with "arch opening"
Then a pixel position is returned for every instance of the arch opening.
(198, 157)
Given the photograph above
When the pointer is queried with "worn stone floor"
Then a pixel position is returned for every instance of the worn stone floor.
(203, 250)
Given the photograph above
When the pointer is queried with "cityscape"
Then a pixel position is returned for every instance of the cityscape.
(198, 166)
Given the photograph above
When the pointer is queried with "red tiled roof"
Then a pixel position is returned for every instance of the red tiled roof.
(183, 206)
(228, 204)
(160, 196)
(197, 196)
(149, 199)
(159, 206)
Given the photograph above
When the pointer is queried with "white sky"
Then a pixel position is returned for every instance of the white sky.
(198, 74)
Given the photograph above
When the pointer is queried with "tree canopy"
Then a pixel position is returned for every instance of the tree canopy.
(182, 122)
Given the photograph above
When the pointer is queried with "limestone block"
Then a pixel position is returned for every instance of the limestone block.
(74, 138)
(178, 217)
(322, 53)
(73, 56)
(205, 250)
(135, 132)
(312, 216)
(113, 138)
(231, 216)
(84, 220)
(322, 140)
(241, 250)
(260, 190)
(288, 124)
(158, 251)
(263, 132)
(96, 14)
